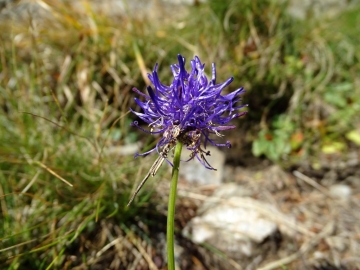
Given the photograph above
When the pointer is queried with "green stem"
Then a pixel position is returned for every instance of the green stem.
(171, 208)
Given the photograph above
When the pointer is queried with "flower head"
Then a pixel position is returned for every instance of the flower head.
(190, 109)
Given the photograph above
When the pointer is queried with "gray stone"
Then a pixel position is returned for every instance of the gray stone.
(124, 150)
(228, 226)
(340, 191)
(320, 8)
(194, 172)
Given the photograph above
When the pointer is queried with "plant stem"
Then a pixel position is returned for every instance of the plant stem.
(171, 208)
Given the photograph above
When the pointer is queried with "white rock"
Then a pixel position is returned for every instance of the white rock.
(124, 150)
(319, 8)
(340, 191)
(229, 226)
(242, 223)
(318, 255)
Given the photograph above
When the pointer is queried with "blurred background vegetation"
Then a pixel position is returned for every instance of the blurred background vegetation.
(66, 73)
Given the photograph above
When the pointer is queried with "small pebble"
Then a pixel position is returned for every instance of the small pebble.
(340, 191)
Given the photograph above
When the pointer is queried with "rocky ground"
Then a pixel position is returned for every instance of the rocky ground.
(260, 217)
(268, 218)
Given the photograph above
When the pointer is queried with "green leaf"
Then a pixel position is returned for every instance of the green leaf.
(353, 136)
(257, 148)
(333, 147)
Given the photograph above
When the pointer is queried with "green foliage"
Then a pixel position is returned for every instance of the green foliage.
(277, 142)
(321, 75)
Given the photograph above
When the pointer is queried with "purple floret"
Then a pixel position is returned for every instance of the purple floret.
(193, 104)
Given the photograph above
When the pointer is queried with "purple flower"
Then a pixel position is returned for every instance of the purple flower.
(190, 110)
